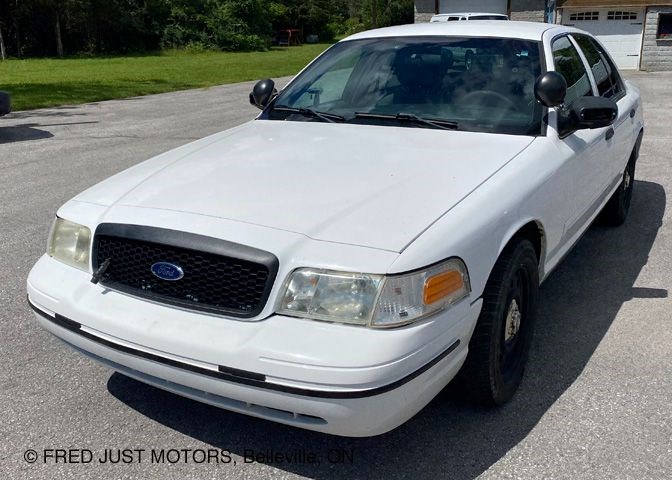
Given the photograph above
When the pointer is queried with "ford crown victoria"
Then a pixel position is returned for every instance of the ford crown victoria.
(379, 230)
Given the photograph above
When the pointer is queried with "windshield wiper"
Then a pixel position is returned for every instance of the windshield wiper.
(307, 112)
(410, 118)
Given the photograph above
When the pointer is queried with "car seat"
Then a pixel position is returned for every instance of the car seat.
(420, 75)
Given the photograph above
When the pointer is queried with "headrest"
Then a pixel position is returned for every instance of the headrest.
(422, 67)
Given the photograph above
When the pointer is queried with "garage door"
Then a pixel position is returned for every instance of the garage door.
(619, 30)
(464, 6)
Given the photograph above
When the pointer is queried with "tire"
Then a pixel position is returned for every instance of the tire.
(616, 210)
(497, 355)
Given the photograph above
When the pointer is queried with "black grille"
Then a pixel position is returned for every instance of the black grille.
(212, 281)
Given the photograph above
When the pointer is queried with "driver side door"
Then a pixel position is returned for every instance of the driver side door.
(587, 149)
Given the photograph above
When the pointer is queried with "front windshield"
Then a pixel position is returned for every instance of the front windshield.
(479, 84)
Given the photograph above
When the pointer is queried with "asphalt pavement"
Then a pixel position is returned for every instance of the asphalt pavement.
(596, 399)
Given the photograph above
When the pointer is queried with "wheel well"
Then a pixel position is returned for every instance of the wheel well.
(533, 232)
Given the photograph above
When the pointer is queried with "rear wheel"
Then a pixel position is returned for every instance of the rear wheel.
(499, 347)
(616, 210)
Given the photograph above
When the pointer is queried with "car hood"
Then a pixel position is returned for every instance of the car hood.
(373, 186)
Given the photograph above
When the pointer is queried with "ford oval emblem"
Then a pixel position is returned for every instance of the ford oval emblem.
(167, 271)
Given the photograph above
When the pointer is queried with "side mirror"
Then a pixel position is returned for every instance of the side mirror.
(262, 93)
(5, 104)
(592, 112)
(550, 89)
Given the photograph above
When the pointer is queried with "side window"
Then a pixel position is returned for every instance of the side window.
(568, 63)
(614, 76)
(664, 26)
(608, 81)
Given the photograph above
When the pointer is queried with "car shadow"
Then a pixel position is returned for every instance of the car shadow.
(28, 131)
(22, 133)
(578, 304)
(59, 111)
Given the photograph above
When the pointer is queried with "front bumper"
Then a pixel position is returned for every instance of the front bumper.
(337, 379)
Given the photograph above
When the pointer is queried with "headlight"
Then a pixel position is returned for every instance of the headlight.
(70, 243)
(374, 300)
(332, 296)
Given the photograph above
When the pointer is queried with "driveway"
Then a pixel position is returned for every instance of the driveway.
(596, 400)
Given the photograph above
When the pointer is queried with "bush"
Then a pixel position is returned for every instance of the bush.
(243, 42)
(240, 25)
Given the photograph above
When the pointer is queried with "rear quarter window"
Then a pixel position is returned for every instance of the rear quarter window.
(609, 83)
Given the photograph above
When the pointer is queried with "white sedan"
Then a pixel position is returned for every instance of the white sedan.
(380, 229)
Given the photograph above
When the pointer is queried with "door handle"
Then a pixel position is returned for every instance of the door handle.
(633, 112)
(610, 133)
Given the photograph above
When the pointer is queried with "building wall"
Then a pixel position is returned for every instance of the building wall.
(656, 54)
(610, 3)
(489, 6)
(527, 10)
(423, 17)
(424, 9)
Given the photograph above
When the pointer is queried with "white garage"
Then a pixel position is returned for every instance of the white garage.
(620, 30)
(461, 6)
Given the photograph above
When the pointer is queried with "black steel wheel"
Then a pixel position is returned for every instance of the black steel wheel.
(499, 347)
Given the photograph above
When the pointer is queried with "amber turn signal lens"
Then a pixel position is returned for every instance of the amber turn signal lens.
(442, 285)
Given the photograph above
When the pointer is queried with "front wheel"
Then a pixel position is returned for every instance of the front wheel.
(500, 344)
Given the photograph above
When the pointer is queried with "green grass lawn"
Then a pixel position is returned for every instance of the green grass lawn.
(38, 83)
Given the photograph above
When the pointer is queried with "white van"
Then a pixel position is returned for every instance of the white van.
(452, 17)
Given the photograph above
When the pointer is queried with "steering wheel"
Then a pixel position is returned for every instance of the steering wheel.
(487, 96)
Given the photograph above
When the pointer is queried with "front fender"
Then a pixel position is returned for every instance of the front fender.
(478, 229)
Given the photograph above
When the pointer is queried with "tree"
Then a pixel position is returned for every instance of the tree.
(71, 27)
(59, 39)
(312, 17)
(240, 25)
(379, 13)
(53, 9)
(3, 54)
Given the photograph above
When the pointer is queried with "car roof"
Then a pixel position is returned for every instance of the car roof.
(468, 14)
(476, 28)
